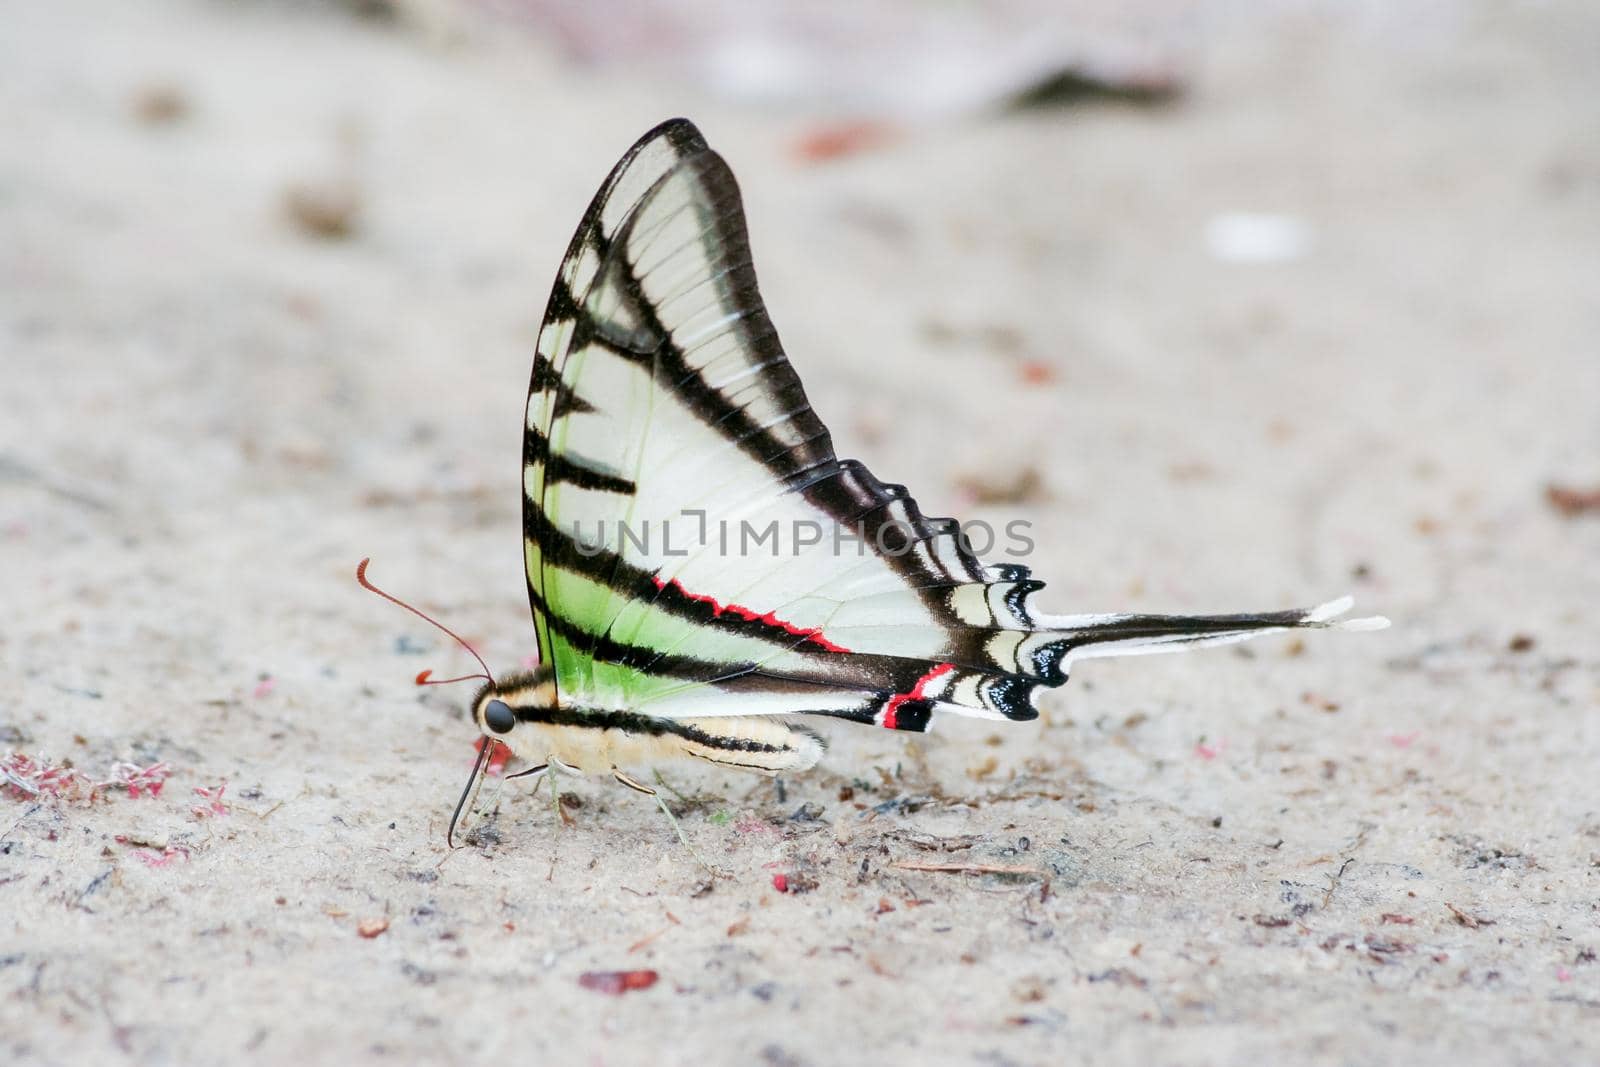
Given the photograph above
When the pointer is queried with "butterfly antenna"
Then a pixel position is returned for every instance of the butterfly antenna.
(473, 783)
(427, 678)
(422, 679)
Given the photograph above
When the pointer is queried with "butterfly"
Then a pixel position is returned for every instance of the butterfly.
(703, 569)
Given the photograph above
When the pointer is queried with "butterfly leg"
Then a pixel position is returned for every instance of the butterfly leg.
(640, 787)
(616, 772)
(664, 784)
(539, 774)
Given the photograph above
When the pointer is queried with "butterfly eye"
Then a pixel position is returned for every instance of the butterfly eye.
(498, 716)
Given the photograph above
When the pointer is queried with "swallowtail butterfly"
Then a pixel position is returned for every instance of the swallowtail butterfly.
(702, 567)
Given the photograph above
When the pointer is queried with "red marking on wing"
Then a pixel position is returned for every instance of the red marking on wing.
(891, 710)
(769, 619)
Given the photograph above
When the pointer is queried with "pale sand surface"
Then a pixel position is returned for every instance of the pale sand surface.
(1374, 848)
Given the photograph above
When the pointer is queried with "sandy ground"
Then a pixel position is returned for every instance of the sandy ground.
(1355, 849)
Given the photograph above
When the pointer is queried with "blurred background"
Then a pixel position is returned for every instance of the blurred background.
(1241, 305)
(1150, 265)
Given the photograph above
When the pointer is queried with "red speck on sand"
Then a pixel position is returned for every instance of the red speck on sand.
(841, 139)
(139, 780)
(617, 983)
(164, 857)
(1036, 373)
(23, 776)
(780, 882)
(212, 795)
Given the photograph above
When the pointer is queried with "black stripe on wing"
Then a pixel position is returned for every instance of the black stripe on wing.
(569, 469)
(602, 647)
(928, 552)
(896, 700)
(649, 340)
(547, 380)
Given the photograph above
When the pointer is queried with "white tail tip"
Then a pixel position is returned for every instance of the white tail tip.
(1324, 614)
(1332, 609)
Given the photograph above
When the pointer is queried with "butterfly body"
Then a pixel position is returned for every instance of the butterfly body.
(582, 738)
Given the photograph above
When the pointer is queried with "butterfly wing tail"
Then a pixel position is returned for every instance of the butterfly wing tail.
(1091, 636)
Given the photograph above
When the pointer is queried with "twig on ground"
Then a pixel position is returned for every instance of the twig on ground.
(969, 868)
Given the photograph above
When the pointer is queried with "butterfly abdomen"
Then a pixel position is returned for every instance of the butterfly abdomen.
(769, 746)
(598, 740)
